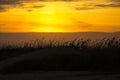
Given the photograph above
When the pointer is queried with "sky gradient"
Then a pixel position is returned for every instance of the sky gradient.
(59, 15)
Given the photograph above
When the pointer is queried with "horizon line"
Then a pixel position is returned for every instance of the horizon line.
(65, 32)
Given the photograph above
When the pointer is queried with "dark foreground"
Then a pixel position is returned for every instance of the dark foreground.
(75, 60)
(62, 75)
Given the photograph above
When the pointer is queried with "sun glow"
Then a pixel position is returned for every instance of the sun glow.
(48, 29)
(52, 20)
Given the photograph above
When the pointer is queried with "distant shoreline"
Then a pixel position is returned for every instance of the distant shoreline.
(59, 32)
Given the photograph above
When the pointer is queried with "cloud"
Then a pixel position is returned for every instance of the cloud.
(1, 10)
(108, 5)
(5, 4)
(40, 6)
(34, 6)
(115, 0)
(37, 7)
(84, 8)
(97, 6)
(8, 2)
(29, 10)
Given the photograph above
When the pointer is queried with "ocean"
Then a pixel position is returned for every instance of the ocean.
(17, 38)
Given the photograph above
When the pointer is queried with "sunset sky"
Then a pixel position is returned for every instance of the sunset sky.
(59, 15)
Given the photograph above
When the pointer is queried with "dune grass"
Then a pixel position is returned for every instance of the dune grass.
(98, 55)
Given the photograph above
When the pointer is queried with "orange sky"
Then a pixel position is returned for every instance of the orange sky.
(59, 16)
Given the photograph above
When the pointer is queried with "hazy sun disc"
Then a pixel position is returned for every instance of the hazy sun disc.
(49, 29)
(52, 20)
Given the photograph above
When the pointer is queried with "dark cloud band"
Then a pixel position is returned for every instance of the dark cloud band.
(108, 5)
(115, 0)
(96, 6)
(4, 3)
(114, 3)
(7, 2)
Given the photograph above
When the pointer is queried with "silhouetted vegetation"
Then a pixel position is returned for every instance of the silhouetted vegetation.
(99, 55)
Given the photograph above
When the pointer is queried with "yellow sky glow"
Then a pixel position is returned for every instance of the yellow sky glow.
(59, 17)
